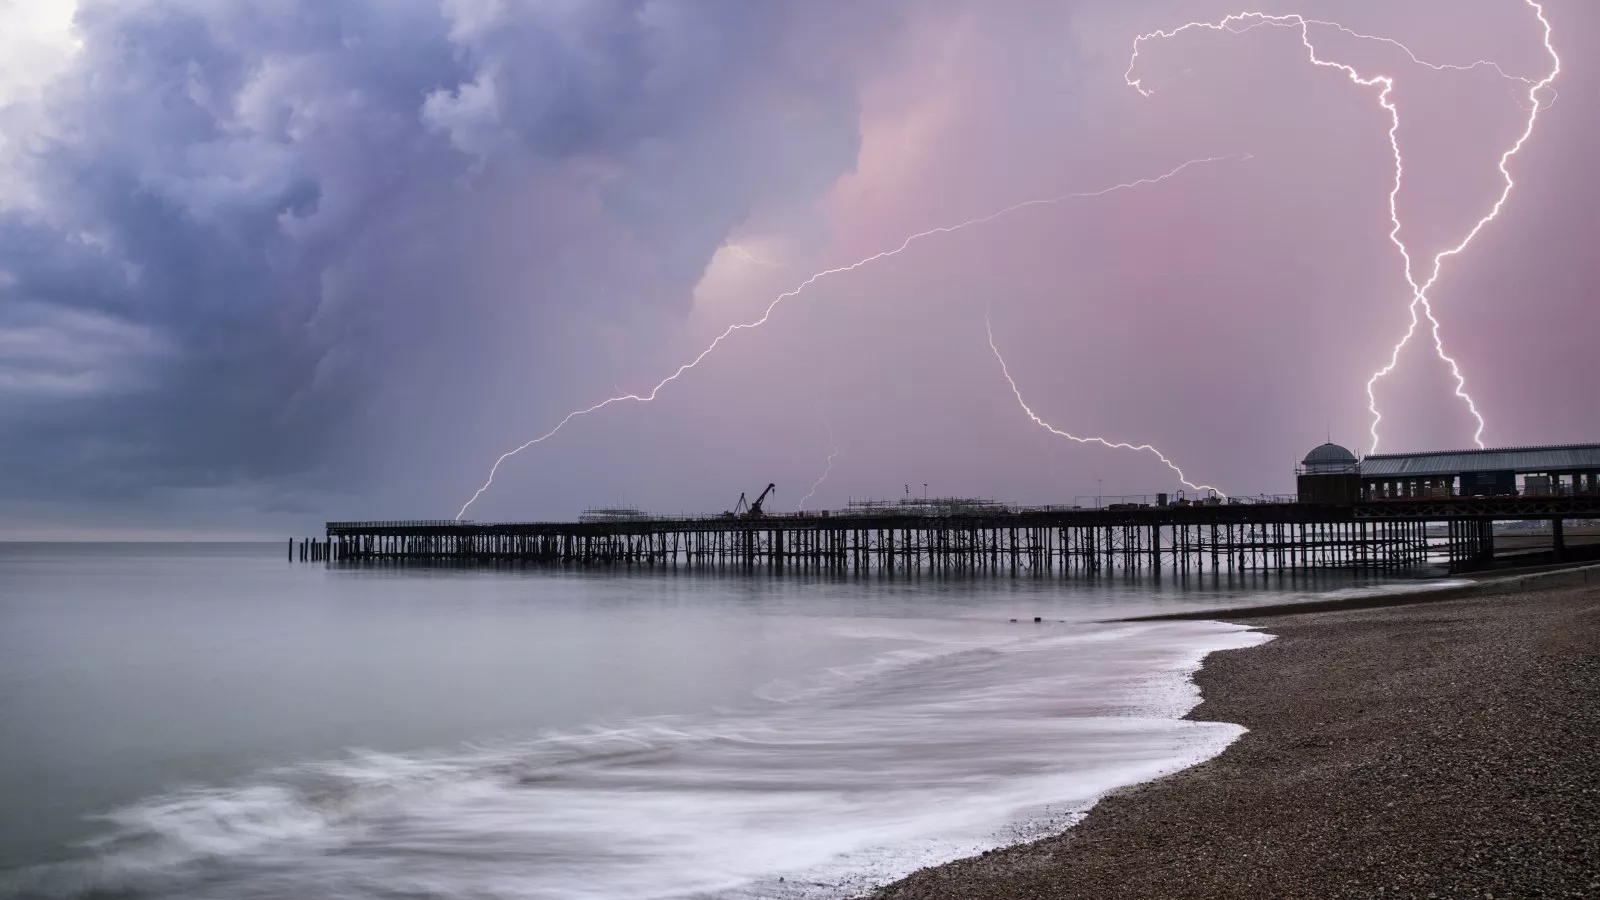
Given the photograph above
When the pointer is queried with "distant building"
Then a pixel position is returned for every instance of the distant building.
(1513, 471)
(1332, 474)
(1330, 459)
(1329, 474)
(613, 514)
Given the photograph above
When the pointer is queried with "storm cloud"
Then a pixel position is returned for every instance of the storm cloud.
(249, 219)
(281, 262)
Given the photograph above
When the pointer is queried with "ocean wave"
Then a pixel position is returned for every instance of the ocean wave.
(851, 775)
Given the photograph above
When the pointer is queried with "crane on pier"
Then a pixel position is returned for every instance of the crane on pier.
(743, 510)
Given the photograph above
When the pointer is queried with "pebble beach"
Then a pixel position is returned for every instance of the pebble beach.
(1432, 749)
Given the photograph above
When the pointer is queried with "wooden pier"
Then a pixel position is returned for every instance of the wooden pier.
(1381, 536)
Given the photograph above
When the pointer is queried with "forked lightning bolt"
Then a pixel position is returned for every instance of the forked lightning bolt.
(767, 314)
(1421, 296)
(833, 453)
(1115, 445)
(1419, 299)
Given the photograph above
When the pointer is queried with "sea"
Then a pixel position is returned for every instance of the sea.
(214, 721)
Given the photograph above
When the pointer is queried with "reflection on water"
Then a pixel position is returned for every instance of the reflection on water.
(192, 721)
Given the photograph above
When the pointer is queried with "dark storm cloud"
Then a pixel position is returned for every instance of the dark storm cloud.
(324, 259)
(248, 219)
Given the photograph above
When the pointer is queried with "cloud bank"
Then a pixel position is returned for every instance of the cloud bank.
(248, 238)
(280, 262)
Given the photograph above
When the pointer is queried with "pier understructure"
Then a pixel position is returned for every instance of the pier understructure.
(1388, 535)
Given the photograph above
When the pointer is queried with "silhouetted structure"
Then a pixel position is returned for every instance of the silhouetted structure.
(1224, 537)
(1329, 474)
(1513, 471)
(1383, 513)
(1525, 482)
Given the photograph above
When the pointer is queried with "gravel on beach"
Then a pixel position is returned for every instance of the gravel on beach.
(1447, 749)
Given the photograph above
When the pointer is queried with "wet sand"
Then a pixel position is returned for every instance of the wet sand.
(1445, 749)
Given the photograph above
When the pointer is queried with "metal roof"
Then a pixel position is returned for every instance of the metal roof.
(1330, 453)
(1557, 458)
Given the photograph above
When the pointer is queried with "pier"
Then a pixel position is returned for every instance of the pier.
(1377, 537)
(1382, 514)
(1199, 539)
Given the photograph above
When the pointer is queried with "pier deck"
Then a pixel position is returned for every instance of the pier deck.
(1230, 537)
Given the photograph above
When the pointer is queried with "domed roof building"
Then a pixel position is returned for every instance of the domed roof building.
(1330, 459)
(1330, 474)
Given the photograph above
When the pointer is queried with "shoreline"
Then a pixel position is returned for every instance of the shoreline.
(1481, 585)
(1405, 744)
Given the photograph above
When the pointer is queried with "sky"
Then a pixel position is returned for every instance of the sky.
(264, 265)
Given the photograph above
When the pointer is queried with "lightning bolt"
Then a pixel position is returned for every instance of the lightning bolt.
(1421, 296)
(1291, 21)
(1115, 445)
(777, 301)
(1419, 301)
(833, 454)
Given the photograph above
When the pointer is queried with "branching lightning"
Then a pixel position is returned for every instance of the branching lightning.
(1419, 290)
(1421, 296)
(1115, 445)
(772, 306)
(833, 453)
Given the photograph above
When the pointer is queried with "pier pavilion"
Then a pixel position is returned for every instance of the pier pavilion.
(1512, 471)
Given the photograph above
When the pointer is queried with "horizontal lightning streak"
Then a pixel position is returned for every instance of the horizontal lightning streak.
(1419, 291)
(1115, 445)
(1297, 21)
(1437, 67)
(741, 326)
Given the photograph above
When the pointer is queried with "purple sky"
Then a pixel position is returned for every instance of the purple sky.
(261, 266)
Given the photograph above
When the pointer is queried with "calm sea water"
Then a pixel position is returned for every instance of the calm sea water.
(209, 721)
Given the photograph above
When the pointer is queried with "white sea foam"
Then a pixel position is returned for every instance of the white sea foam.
(965, 738)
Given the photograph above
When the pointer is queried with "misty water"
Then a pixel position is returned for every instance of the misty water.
(213, 722)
